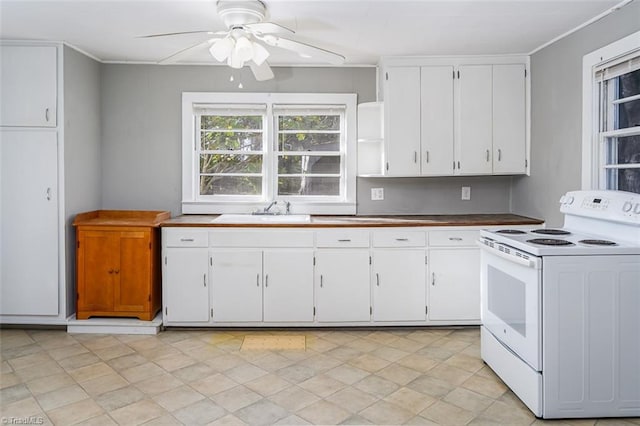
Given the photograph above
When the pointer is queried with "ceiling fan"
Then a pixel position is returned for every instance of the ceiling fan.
(247, 40)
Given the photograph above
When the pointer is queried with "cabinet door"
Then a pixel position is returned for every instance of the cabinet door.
(186, 287)
(399, 292)
(509, 119)
(132, 292)
(236, 279)
(402, 121)
(288, 285)
(97, 264)
(342, 285)
(29, 217)
(436, 88)
(474, 134)
(454, 284)
(28, 82)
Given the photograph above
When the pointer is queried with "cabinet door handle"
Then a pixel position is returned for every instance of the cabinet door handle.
(117, 271)
(455, 239)
(111, 271)
(320, 281)
(458, 165)
(499, 154)
(257, 280)
(415, 156)
(433, 278)
(46, 114)
(48, 194)
(266, 280)
(427, 155)
(377, 279)
(402, 239)
(346, 240)
(186, 240)
(204, 280)
(488, 155)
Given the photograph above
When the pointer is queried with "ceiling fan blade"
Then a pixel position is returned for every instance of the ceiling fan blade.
(261, 72)
(173, 34)
(303, 49)
(268, 28)
(184, 53)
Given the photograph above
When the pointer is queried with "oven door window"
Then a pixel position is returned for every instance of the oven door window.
(507, 299)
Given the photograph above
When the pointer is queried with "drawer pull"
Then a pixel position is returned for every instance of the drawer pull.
(402, 239)
(455, 239)
(346, 240)
(186, 240)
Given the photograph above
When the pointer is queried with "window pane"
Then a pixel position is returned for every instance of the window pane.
(308, 164)
(309, 142)
(230, 185)
(233, 141)
(623, 150)
(628, 112)
(230, 163)
(222, 122)
(309, 186)
(307, 122)
(624, 179)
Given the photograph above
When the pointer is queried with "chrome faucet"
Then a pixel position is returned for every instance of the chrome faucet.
(266, 209)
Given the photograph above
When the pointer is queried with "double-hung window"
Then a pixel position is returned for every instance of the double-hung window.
(242, 150)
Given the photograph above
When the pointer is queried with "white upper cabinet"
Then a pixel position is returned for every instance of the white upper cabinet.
(455, 116)
(402, 116)
(509, 119)
(28, 83)
(474, 120)
(436, 98)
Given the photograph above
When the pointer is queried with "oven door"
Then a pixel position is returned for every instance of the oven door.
(511, 299)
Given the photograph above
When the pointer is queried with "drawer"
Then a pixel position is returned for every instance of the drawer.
(260, 238)
(343, 238)
(399, 239)
(185, 237)
(453, 238)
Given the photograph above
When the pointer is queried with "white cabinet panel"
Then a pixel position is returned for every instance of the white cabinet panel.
(288, 285)
(186, 286)
(509, 119)
(402, 121)
(454, 284)
(236, 280)
(474, 120)
(29, 215)
(28, 83)
(399, 285)
(436, 86)
(342, 285)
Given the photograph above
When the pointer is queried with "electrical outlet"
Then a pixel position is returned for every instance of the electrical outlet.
(377, 194)
(466, 193)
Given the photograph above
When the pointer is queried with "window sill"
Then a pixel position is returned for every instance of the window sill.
(211, 207)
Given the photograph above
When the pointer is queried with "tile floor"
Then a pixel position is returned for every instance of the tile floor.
(346, 376)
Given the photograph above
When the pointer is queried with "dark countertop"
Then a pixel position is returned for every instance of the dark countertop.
(319, 221)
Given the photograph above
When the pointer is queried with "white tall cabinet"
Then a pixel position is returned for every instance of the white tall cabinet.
(33, 286)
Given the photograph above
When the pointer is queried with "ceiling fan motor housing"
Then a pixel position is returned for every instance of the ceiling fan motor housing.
(236, 13)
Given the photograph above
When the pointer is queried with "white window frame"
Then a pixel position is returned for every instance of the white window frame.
(192, 203)
(592, 152)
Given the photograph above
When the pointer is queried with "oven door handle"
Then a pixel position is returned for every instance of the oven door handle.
(529, 263)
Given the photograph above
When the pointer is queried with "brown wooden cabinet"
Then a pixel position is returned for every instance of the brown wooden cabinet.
(118, 263)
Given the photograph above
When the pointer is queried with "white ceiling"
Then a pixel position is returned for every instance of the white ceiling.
(361, 30)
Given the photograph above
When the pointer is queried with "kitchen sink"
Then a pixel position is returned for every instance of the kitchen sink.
(255, 218)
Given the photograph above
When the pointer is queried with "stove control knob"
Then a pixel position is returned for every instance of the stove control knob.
(636, 209)
(570, 199)
(626, 207)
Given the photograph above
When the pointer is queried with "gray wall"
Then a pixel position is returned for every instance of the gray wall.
(82, 165)
(141, 121)
(556, 115)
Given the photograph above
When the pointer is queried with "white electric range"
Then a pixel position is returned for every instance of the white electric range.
(561, 308)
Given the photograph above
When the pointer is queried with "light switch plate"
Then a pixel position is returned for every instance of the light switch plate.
(377, 194)
(466, 193)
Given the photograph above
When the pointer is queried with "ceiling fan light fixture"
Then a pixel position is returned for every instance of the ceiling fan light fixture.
(243, 49)
(234, 61)
(222, 49)
(260, 54)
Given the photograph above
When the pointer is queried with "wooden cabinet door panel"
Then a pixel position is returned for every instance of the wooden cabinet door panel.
(133, 275)
(97, 264)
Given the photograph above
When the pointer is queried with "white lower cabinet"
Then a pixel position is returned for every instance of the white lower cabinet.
(399, 284)
(454, 284)
(288, 285)
(185, 284)
(342, 285)
(236, 280)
